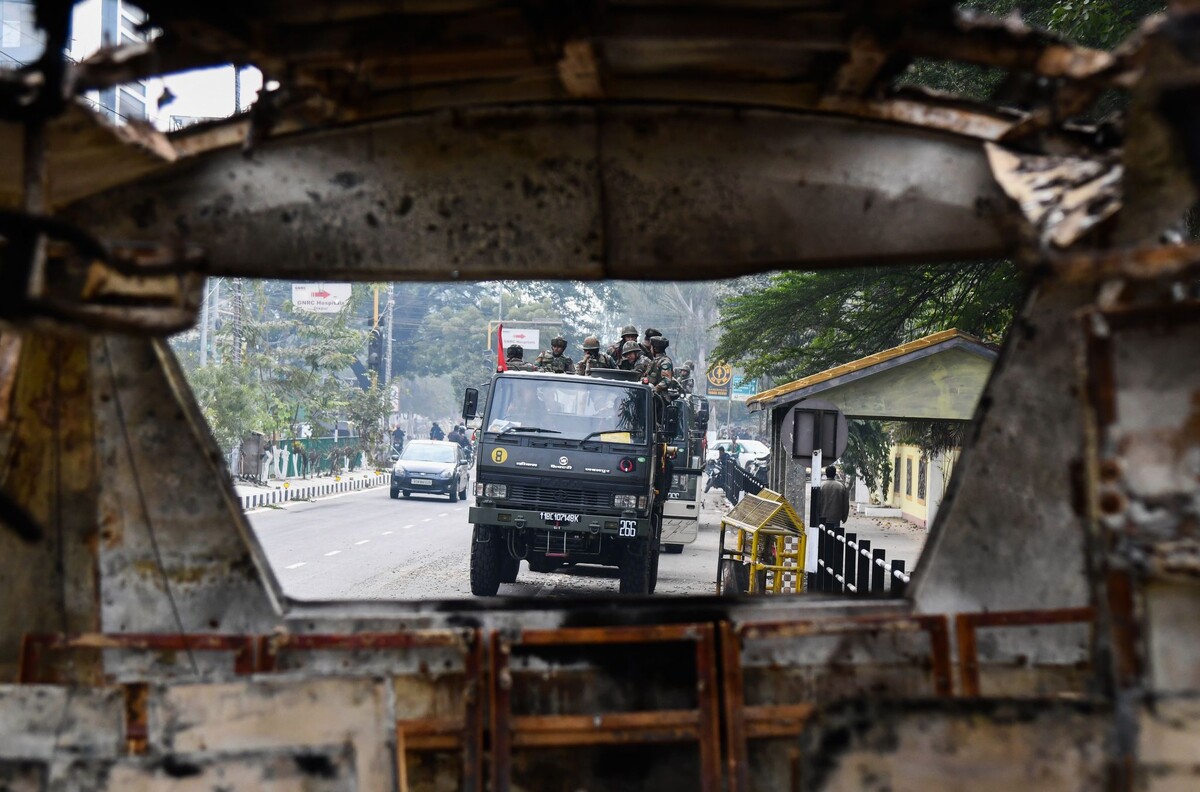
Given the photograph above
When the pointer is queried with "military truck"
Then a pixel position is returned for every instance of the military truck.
(570, 470)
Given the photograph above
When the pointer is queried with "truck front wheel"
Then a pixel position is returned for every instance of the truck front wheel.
(635, 567)
(487, 560)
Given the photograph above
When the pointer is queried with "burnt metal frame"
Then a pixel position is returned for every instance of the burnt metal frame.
(35, 645)
(611, 728)
(743, 723)
(419, 734)
(966, 625)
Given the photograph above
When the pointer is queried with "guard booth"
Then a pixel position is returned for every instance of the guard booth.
(938, 377)
(250, 456)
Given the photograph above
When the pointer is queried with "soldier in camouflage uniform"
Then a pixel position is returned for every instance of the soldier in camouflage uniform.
(554, 360)
(684, 376)
(628, 333)
(646, 349)
(661, 371)
(514, 358)
(632, 359)
(593, 358)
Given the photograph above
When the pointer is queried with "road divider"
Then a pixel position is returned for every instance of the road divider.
(307, 490)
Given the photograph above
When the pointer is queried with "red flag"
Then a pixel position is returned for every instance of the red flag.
(501, 365)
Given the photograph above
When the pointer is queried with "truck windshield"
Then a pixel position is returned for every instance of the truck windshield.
(574, 410)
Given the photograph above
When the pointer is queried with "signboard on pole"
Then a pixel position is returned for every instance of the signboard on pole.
(743, 388)
(720, 377)
(320, 297)
(528, 340)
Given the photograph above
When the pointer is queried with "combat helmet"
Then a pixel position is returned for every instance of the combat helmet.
(628, 330)
(558, 341)
(516, 351)
(591, 343)
(630, 346)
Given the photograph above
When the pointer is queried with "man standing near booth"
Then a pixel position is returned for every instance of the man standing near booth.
(835, 500)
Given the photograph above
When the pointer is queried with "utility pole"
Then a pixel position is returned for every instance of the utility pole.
(387, 336)
(204, 327)
(238, 329)
(215, 312)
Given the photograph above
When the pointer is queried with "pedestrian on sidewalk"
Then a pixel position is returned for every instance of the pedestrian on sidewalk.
(835, 500)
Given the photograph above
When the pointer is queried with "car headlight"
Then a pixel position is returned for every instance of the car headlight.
(399, 471)
(493, 490)
(625, 501)
(445, 474)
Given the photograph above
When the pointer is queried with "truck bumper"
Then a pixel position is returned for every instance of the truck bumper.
(623, 526)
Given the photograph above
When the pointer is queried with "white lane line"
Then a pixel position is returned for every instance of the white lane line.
(387, 533)
(444, 514)
(427, 519)
(364, 541)
(295, 566)
(333, 552)
(408, 526)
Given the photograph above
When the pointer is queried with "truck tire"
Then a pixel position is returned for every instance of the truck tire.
(635, 567)
(509, 567)
(487, 556)
(654, 566)
(674, 549)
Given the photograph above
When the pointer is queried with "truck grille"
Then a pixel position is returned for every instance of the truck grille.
(559, 499)
(552, 542)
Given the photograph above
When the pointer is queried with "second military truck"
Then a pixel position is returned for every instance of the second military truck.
(571, 469)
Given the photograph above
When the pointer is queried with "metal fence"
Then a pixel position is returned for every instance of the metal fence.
(849, 565)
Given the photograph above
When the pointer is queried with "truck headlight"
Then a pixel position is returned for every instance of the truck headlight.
(626, 501)
(478, 489)
(494, 490)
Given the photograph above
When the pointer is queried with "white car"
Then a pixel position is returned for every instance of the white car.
(752, 450)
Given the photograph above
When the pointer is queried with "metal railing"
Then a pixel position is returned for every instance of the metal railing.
(849, 565)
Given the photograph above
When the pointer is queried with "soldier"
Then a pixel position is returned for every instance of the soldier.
(554, 360)
(684, 376)
(632, 359)
(514, 359)
(646, 349)
(661, 371)
(628, 333)
(593, 358)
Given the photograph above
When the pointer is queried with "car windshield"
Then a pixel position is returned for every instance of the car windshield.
(427, 452)
(754, 446)
(569, 410)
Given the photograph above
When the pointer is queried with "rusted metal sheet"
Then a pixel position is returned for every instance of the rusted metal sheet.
(987, 548)
(297, 715)
(314, 769)
(173, 557)
(988, 746)
(571, 193)
(966, 626)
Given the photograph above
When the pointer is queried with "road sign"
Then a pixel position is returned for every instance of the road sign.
(320, 297)
(814, 425)
(743, 389)
(719, 378)
(528, 340)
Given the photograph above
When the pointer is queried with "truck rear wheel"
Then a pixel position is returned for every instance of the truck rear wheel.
(487, 557)
(635, 568)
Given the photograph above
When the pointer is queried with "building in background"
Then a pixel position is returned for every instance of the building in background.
(198, 96)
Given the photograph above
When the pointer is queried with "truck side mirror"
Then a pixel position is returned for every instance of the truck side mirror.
(470, 403)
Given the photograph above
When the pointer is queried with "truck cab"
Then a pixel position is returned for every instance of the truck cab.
(569, 470)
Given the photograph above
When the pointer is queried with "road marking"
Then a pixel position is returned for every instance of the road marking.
(444, 514)
(427, 519)
(364, 541)
(408, 526)
(333, 552)
(296, 566)
(387, 533)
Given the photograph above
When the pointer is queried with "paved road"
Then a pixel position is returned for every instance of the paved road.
(364, 545)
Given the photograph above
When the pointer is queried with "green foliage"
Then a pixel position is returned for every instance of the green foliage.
(805, 322)
(867, 454)
(233, 401)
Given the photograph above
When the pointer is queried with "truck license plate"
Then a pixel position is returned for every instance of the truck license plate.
(422, 481)
(560, 517)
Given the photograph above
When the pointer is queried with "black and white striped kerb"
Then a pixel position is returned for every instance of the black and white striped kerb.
(307, 492)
